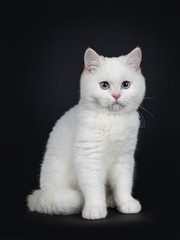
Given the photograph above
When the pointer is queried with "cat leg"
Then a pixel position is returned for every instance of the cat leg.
(91, 178)
(121, 182)
(63, 201)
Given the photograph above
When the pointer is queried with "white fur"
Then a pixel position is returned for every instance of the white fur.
(89, 160)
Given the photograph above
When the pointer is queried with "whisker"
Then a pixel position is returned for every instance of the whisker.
(147, 111)
(150, 98)
(142, 120)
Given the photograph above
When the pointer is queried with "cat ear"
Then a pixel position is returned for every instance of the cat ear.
(91, 60)
(133, 59)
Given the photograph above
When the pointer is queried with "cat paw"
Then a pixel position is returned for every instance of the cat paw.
(94, 212)
(130, 206)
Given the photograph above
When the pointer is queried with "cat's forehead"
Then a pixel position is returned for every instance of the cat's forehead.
(115, 69)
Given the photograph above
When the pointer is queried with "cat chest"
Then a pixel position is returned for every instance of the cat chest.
(108, 134)
(118, 136)
(115, 134)
(115, 130)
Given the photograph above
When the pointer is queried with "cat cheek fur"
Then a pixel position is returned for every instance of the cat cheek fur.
(89, 160)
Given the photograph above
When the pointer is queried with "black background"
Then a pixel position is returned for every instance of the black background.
(42, 48)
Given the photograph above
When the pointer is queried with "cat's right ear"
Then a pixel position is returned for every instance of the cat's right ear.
(91, 60)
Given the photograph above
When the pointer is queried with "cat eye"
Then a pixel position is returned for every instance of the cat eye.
(125, 84)
(104, 85)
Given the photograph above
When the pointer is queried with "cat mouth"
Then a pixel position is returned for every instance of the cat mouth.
(116, 103)
(115, 106)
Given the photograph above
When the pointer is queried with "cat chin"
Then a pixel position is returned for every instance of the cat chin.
(111, 108)
(115, 107)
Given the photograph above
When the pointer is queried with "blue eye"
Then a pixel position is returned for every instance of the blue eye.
(104, 85)
(125, 84)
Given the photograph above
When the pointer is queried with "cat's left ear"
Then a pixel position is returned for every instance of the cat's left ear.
(133, 59)
(91, 60)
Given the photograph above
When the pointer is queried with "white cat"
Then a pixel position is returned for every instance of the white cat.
(89, 160)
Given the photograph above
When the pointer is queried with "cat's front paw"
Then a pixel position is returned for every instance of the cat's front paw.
(94, 212)
(130, 206)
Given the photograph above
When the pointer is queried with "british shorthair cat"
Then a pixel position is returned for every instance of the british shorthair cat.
(89, 160)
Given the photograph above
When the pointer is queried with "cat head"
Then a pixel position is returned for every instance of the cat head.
(114, 84)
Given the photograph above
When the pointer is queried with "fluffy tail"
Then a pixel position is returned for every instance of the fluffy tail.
(65, 201)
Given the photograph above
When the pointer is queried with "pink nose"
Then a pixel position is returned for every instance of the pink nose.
(116, 96)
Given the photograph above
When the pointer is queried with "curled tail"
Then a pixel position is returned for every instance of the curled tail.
(64, 201)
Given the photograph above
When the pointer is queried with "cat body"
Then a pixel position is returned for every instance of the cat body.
(89, 160)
